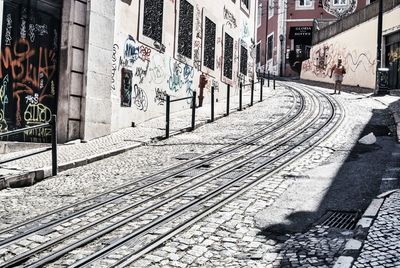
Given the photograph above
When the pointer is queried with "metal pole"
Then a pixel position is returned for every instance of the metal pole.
(268, 78)
(274, 80)
(212, 104)
(252, 93)
(167, 116)
(379, 45)
(54, 144)
(261, 90)
(193, 110)
(228, 97)
(240, 96)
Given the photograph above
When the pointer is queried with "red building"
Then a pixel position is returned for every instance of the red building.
(285, 27)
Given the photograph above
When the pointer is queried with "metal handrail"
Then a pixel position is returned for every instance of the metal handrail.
(168, 111)
(53, 125)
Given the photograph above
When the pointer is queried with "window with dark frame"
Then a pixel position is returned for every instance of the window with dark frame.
(270, 46)
(153, 19)
(209, 44)
(243, 60)
(185, 29)
(246, 3)
(228, 56)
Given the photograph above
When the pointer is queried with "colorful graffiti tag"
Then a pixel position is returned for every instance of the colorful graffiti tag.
(28, 73)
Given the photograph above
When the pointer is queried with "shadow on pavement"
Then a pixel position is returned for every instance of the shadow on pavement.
(292, 221)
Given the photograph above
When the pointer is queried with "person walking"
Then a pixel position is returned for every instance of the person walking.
(338, 70)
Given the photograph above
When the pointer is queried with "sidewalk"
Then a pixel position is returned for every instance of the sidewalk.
(27, 171)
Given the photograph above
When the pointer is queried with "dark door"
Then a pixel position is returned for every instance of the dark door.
(29, 65)
(393, 59)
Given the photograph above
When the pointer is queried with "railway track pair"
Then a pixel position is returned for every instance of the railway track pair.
(118, 227)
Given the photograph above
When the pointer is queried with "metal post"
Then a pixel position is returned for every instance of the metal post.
(261, 90)
(228, 97)
(212, 104)
(168, 100)
(240, 96)
(268, 78)
(274, 80)
(193, 110)
(252, 93)
(54, 144)
(379, 45)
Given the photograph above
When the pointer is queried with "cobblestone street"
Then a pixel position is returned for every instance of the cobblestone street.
(275, 223)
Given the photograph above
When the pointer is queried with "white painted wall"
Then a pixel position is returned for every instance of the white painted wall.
(357, 49)
(160, 67)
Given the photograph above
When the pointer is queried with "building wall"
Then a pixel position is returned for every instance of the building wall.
(143, 73)
(357, 49)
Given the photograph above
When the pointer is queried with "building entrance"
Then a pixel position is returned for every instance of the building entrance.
(393, 59)
(29, 65)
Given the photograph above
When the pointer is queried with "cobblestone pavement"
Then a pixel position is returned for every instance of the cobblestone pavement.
(382, 246)
(236, 235)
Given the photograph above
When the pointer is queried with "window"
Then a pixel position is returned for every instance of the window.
(270, 46)
(258, 52)
(270, 8)
(245, 5)
(339, 2)
(259, 13)
(305, 4)
(209, 44)
(228, 56)
(243, 60)
(153, 19)
(185, 29)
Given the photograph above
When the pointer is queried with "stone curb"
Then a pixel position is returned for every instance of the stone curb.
(28, 178)
(354, 246)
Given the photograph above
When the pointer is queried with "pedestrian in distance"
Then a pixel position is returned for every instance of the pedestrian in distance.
(338, 70)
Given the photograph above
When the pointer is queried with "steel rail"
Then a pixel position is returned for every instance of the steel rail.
(52, 257)
(98, 204)
(127, 260)
(154, 174)
(20, 258)
(172, 215)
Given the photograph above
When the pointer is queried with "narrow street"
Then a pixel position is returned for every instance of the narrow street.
(280, 184)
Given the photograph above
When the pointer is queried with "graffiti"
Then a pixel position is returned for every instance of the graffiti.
(37, 113)
(140, 98)
(220, 60)
(26, 77)
(394, 55)
(145, 53)
(4, 102)
(181, 75)
(23, 23)
(326, 55)
(114, 66)
(36, 29)
(131, 53)
(142, 72)
(212, 83)
(198, 22)
(126, 88)
(245, 31)
(156, 71)
(32, 99)
(160, 97)
(230, 19)
(7, 37)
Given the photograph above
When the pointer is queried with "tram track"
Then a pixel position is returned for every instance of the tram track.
(218, 187)
(21, 232)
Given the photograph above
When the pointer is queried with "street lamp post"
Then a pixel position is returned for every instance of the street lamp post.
(281, 61)
(379, 46)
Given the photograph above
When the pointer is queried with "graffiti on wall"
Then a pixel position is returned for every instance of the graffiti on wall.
(181, 76)
(114, 65)
(230, 18)
(160, 96)
(323, 57)
(140, 98)
(28, 73)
